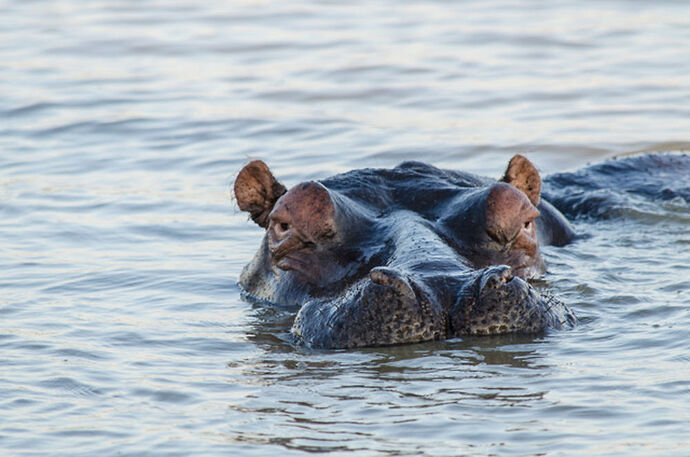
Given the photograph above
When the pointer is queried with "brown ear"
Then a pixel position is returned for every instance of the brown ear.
(256, 191)
(522, 174)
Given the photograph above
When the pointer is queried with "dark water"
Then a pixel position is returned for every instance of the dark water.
(122, 124)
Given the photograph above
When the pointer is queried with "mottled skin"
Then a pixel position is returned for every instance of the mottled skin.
(414, 253)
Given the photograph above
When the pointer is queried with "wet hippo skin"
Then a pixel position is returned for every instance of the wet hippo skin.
(409, 254)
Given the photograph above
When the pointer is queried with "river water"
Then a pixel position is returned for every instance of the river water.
(123, 123)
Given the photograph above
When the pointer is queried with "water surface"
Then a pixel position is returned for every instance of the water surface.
(122, 124)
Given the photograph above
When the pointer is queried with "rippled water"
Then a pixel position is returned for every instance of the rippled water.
(122, 124)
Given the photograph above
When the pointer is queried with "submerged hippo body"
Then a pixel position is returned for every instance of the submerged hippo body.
(409, 254)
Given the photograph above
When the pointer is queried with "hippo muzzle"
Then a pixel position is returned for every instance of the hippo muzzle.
(392, 308)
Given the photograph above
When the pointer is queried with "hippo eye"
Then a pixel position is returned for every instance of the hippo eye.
(284, 226)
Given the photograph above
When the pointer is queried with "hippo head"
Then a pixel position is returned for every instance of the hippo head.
(367, 264)
(495, 225)
(311, 232)
(302, 231)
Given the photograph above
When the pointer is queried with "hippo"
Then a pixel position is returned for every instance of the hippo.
(377, 257)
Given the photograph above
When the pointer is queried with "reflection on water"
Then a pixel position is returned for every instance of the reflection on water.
(122, 331)
(345, 399)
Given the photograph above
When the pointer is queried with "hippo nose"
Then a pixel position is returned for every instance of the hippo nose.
(496, 277)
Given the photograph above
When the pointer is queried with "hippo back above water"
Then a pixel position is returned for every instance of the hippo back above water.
(409, 254)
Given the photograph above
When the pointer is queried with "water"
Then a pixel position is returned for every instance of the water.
(122, 124)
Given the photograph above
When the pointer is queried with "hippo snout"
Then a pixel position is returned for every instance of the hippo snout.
(503, 303)
(383, 308)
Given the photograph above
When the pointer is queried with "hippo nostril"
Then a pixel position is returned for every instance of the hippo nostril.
(384, 276)
(505, 273)
(493, 282)
(389, 277)
(497, 277)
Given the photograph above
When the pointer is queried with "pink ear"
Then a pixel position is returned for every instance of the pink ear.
(257, 191)
(523, 175)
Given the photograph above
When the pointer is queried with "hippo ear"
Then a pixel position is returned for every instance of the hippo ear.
(522, 174)
(257, 191)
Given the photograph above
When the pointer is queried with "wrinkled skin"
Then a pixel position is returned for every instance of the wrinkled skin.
(415, 253)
